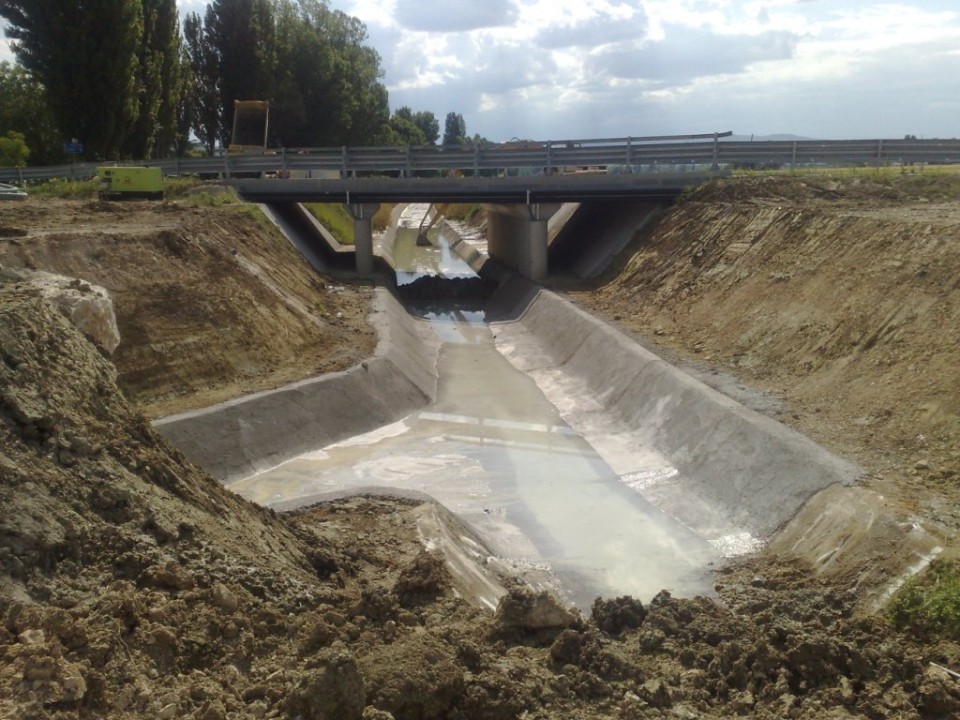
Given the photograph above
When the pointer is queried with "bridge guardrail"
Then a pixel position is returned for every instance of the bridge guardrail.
(713, 149)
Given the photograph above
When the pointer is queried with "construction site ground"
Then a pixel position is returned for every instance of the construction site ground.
(132, 585)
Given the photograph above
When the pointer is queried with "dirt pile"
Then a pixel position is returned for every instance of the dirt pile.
(211, 302)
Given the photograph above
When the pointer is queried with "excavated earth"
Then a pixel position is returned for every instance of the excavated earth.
(132, 585)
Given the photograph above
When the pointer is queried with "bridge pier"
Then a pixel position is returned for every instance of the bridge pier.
(517, 236)
(362, 214)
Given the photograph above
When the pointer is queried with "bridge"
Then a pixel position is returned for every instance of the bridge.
(523, 183)
(518, 208)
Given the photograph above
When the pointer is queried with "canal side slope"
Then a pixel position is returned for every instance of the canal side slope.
(838, 298)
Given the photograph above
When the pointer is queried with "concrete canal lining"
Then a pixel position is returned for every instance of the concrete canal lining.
(723, 469)
(243, 436)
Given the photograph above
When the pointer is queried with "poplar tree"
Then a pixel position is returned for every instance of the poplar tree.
(455, 129)
(85, 55)
(158, 76)
(201, 110)
(241, 33)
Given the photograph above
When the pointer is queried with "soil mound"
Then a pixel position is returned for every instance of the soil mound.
(211, 302)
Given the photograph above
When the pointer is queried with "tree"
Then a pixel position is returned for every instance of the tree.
(241, 34)
(429, 126)
(455, 130)
(327, 88)
(202, 109)
(13, 150)
(405, 129)
(23, 108)
(186, 109)
(158, 76)
(85, 55)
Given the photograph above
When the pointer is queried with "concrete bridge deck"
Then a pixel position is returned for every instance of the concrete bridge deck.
(527, 190)
(518, 207)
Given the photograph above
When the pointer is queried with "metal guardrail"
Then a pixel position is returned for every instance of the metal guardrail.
(713, 149)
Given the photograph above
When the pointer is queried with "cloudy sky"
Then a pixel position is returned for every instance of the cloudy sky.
(570, 69)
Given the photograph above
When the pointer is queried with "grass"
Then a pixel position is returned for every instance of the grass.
(382, 218)
(462, 212)
(65, 189)
(929, 604)
(335, 218)
(869, 172)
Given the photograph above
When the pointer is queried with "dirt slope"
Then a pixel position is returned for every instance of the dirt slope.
(212, 302)
(839, 297)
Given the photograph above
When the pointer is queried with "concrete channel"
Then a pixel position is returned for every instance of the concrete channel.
(566, 452)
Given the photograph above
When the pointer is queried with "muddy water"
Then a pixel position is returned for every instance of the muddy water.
(494, 450)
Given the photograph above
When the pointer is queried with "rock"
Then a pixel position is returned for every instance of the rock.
(32, 637)
(524, 609)
(371, 713)
(171, 576)
(333, 691)
(73, 683)
(167, 712)
(87, 306)
(224, 598)
(656, 693)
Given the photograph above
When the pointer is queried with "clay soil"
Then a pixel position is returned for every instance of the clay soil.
(132, 585)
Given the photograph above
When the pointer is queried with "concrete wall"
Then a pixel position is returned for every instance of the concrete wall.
(243, 436)
(735, 465)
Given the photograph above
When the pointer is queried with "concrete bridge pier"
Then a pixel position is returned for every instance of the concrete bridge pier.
(362, 214)
(517, 236)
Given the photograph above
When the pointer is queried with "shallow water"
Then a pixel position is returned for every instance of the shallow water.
(413, 261)
(495, 451)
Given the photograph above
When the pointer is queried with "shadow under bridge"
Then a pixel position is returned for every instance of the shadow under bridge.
(520, 207)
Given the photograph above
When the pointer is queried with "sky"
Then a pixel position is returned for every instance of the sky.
(577, 69)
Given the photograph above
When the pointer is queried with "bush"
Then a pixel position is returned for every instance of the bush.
(929, 604)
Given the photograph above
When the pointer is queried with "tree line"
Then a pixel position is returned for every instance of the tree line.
(127, 80)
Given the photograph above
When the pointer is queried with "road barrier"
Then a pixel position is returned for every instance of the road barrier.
(630, 154)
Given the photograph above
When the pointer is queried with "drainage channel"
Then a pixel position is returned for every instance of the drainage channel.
(495, 451)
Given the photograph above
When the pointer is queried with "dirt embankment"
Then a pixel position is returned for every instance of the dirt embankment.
(840, 298)
(211, 302)
(133, 586)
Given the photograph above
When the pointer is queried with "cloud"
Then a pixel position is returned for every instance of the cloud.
(454, 15)
(596, 32)
(687, 53)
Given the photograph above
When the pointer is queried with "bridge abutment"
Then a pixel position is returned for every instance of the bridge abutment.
(517, 236)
